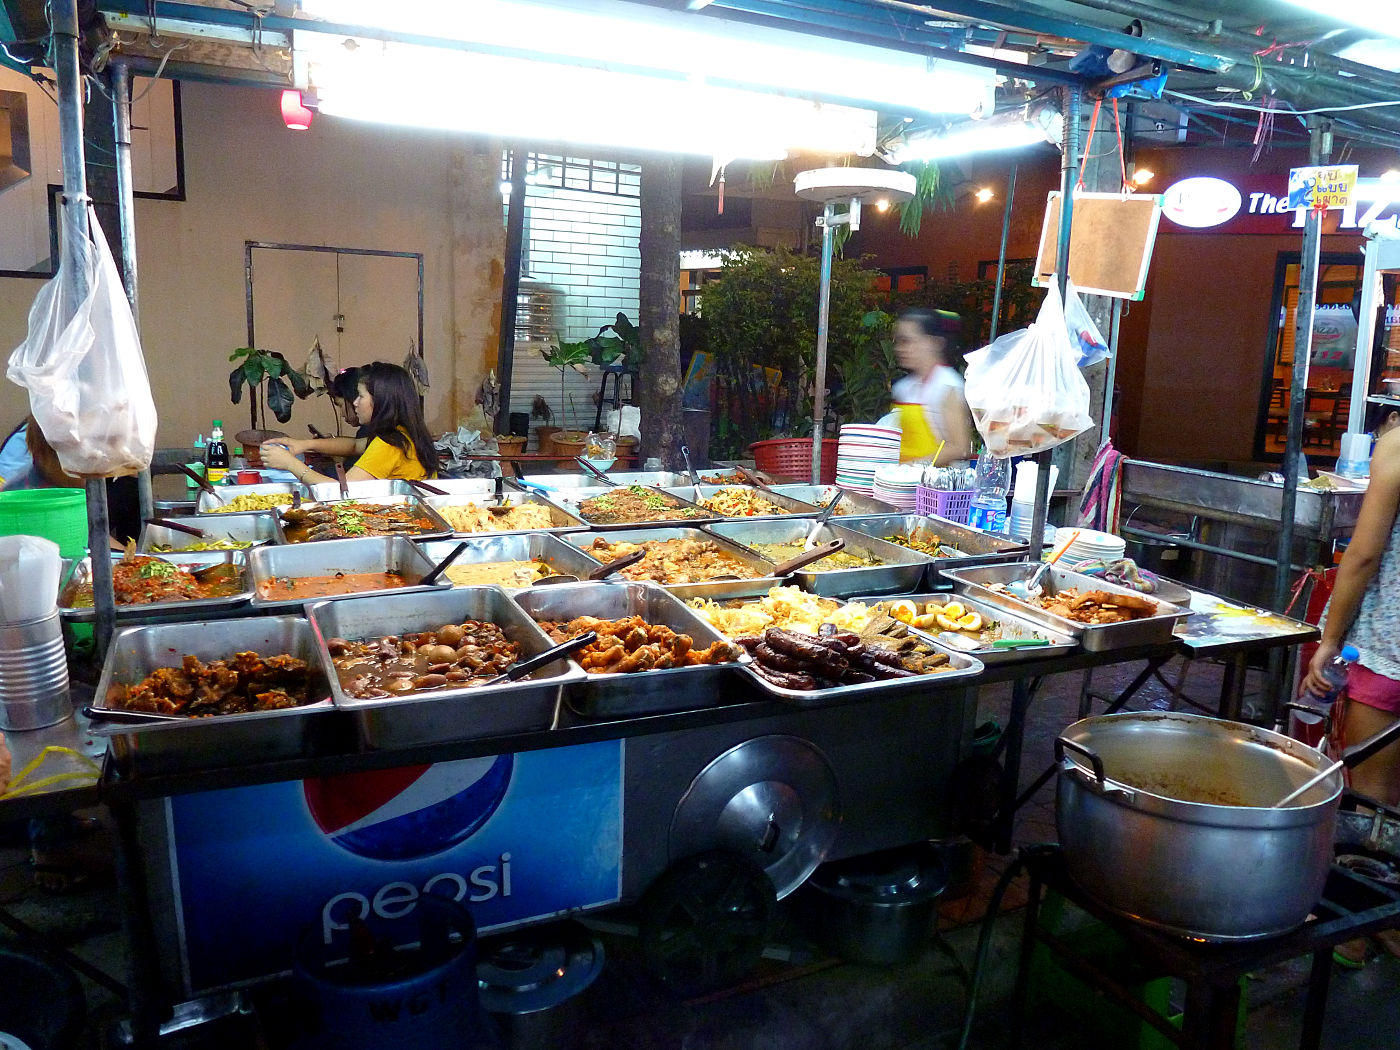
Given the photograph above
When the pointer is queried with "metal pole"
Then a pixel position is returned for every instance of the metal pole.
(1365, 340)
(823, 315)
(74, 266)
(1114, 324)
(1069, 175)
(1001, 257)
(126, 210)
(1320, 148)
(510, 286)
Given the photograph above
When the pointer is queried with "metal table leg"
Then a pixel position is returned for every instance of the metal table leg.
(1022, 693)
(1232, 686)
(1212, 1015)
(1316, 1007)
(149, 1000)
(1023, 972)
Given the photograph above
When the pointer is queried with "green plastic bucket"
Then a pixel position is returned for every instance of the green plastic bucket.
(56, 514)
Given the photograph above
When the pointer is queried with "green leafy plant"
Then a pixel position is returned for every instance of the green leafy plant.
(865, 371)
(272, 384)
(624, 345)
(563, 356)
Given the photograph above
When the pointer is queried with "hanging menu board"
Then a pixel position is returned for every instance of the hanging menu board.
(1110, 244)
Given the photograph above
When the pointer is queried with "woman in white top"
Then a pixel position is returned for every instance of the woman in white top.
(929, 400)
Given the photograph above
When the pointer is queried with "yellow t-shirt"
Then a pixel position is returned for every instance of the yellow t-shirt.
(385, 461)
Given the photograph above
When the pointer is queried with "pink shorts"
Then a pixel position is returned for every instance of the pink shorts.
(1374, 690)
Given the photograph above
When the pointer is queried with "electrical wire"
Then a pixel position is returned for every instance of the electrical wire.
(1225, 104)
(155, 77)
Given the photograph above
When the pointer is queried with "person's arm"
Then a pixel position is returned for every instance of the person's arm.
(337, 446)
(281, 454)
(1363, 555)
(958, 441)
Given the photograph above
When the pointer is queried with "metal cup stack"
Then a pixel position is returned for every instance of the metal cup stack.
(33, 665)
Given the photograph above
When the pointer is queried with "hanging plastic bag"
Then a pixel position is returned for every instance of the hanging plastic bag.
(83, 367)
(1084, 336)
(1025, 391)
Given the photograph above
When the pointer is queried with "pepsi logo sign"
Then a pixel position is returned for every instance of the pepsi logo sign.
(409, 813)
(1201, 202)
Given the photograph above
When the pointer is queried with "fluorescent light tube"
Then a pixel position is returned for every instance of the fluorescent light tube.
(1381, 16)
(1008, 130)
(635, 37)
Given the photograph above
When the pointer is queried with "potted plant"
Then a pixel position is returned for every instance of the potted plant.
(563, 356)
(272, 384)
(539, 409)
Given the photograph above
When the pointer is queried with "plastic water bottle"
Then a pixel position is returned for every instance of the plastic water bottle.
(1336, 675)
(988, 511)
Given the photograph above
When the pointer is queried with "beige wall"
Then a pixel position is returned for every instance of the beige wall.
(341, 183)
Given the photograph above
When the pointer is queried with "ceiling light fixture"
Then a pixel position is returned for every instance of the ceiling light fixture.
(1143, 176)
(882, 204)
(1393, 175)
(432, 87)
(652, 41)
(1381, 16)
(295, 115)
(1026, 126)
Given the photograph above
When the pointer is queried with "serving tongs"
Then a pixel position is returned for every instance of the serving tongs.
(534, 663)
(600, 573)
(1029, 589)
(811, 541)
(423, 488)
(787, 568)
(166, 523)
(694, 477)
(203, 482)
(340, 477)
(752, 478)
(137, 718)
(442, 566)
(591, 469)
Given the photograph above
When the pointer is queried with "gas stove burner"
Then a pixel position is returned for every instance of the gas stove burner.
(1377, 870)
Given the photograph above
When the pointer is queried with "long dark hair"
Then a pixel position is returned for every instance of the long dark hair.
(941, 324)
(396, 406)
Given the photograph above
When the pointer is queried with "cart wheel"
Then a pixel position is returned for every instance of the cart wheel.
(705, 921)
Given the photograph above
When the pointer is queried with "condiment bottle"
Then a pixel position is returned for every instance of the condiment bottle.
(216, 457)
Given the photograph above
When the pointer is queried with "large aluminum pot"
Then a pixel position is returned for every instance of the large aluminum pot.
(1165, 818)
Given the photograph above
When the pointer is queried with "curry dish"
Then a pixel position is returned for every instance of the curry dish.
(843, 559)
(141, 580)
(505, 573)
(455, 656)
(674, 561)
(280, 588)
(1094, 608)
(253, 501)
(244, 683)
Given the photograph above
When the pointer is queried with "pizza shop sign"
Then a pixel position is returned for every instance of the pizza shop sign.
(1204, 204)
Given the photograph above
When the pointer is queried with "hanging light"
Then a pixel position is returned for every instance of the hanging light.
(1026, 126)
(295, 115)
(1142, 176)
(1381, 16)
(983, 195)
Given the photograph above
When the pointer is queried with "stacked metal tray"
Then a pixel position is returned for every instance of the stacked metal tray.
(79, 571)
(415, 505)
(791, 507)
(1013, 628)
(365, 554)
(902, 569)
(963, 665)
(561, 519)
(208, 503)
(645, 692)
(585, 540)
(564, 558)
(442, 715)
(983, 584)
(572, 501)
(852, 504)
(974, 547)
(220, 740)
(255, 528)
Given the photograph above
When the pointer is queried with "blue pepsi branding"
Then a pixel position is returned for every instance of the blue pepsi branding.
(516, 837)
(988, 519)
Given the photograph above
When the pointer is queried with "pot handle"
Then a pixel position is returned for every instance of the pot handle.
(1062, 744)
(1309, 709)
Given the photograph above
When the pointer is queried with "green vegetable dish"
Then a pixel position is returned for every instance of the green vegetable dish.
(635, 504)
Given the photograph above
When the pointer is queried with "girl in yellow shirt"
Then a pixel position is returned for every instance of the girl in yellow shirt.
(399, 444)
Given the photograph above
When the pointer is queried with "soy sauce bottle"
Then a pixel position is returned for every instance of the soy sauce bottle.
(216, 457)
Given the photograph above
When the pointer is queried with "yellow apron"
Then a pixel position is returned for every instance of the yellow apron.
(918, 440)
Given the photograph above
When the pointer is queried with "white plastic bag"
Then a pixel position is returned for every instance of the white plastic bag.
(1025, 392)
(1089, 345)
(83, 368)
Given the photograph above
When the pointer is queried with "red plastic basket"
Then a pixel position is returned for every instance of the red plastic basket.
(951, 506)
(792, 458)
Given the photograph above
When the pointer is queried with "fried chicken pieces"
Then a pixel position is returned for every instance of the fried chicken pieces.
(247, 682)
(1098, 607)
(631, 644)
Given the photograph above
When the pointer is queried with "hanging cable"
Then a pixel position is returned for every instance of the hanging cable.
(1089, 143)
(1225, 104)
(1122, 157)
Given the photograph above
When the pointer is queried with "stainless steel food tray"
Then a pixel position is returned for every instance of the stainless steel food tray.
(903, 569)
(443, 715)
(376, 489)
(206, 503)
(563, 558)
(977, 547)
(852, 504)
(413, 503)
(1147, 631)
(256, 527)
(584, 540)
(588, 481)
(571, 502)
(1012, 627)
(793, 508)
(79, 571)
(365, 554)
(220, 740)
(463, 486)
(647, 692)
(561, 519)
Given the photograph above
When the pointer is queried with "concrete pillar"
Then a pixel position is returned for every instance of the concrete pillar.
(478, 250)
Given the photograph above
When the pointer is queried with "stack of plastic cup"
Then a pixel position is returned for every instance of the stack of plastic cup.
(1018, 522)
(1355, 458)
(33, 667)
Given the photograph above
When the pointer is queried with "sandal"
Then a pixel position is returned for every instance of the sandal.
(1390, 941)
(1351, 955)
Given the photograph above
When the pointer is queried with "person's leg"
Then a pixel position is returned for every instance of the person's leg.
(1379, 776)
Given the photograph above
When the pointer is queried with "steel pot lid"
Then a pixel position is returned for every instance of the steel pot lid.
(773, 799)
(908, 875)
(1199, 769)
(537, 969)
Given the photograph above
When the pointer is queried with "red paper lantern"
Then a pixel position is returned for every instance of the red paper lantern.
(295, 115)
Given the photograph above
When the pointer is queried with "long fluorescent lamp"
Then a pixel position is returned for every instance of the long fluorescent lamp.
(1381, 16)
(1008, 130)
(636, 36)
(431, 87)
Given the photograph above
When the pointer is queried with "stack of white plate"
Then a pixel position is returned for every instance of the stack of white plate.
(1091, 546)
(864, 449)
(897, 484)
